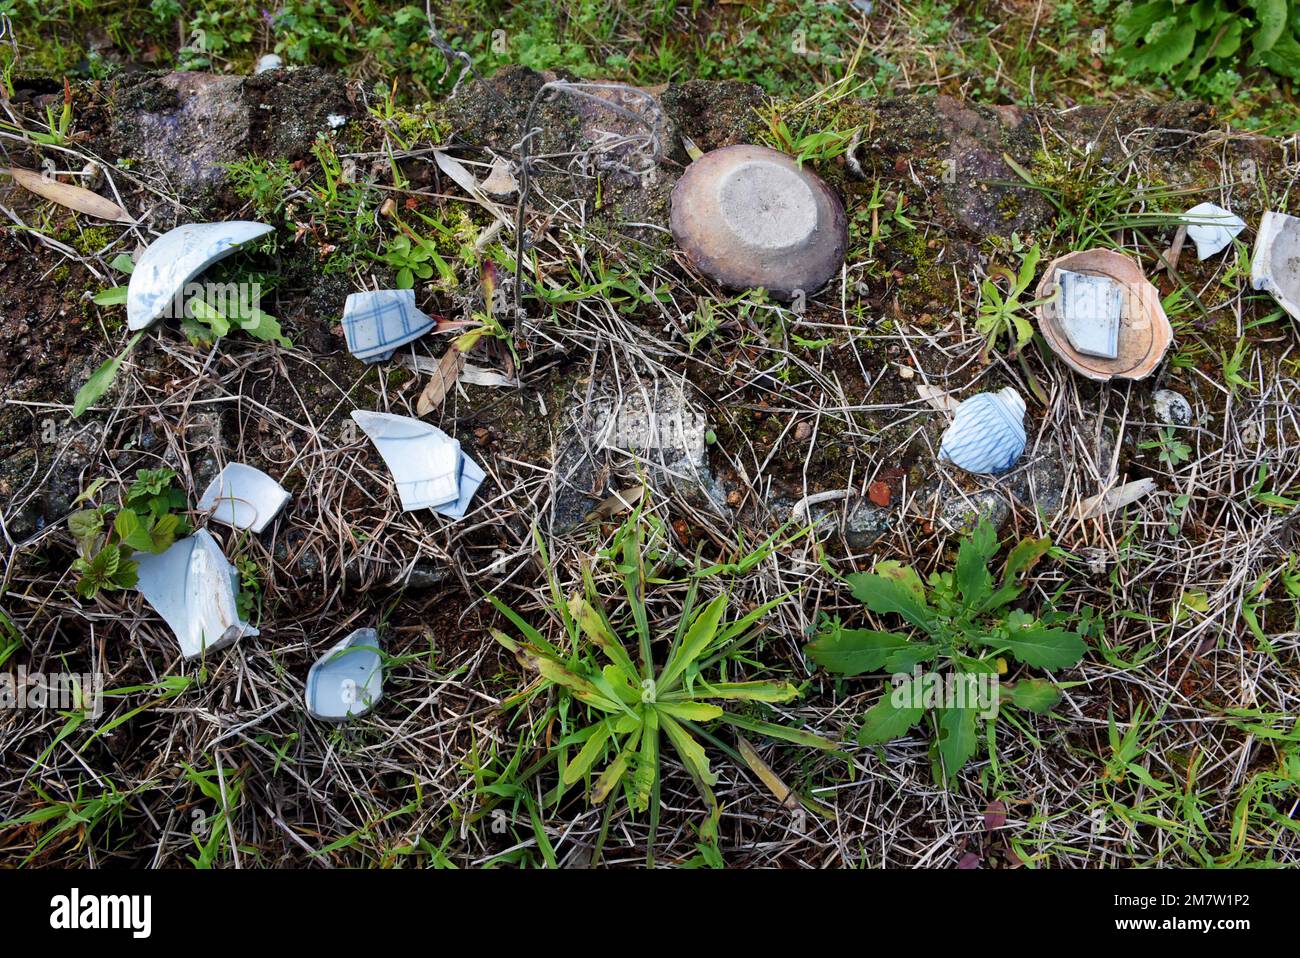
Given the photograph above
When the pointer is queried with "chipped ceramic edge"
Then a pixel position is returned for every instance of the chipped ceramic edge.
(471, 477)
(380, 353)
(987, 435)
(190, 583)
(360, 642)
(1272, 226)
(403, 443)
(240, 489)
(1139, 291)
(1089, 297)
(174, 259)
(1212, 228)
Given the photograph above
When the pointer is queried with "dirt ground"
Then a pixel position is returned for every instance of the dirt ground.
(805, 412)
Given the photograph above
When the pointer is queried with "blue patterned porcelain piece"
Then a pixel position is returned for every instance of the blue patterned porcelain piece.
(376, 322)
(158, 281)
(987, 434)
(428, 465)
(471, 477)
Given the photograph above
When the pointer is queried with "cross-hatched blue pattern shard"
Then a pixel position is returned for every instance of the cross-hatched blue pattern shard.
(377, 322)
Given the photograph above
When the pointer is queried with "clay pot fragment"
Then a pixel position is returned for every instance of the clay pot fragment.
(1144, 332)
(748, 217)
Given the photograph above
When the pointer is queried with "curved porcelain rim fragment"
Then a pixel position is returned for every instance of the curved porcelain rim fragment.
(243, 497)
(1143, 339)
(178, 583)
(1261, 263)
(360, 643)
(424, 460)
(380, 354)
(175, 258)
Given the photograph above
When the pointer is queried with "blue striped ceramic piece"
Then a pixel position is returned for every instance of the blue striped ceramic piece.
(376, 322)
(987, 434)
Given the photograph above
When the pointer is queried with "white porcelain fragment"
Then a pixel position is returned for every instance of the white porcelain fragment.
(1275, 267)
(269, 62)
(243, 497)
(987, 434)
(1091, 308)
(158, 281)
(348, 680)
(376, 322)
(193, 586)
(424, 460)
(1212, 228)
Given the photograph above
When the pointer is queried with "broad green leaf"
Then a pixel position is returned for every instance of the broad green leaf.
(882, 594)
(1036, 695)
(1035, 644)
(906, 659)
(697, 639)
(974, 582)
(594, 627)
(854, 651)
(956, 741)
(85, 525)
(213, 317)
(903, 574)
(114, 296)
(586, 758)
(1168, 44)
(885, 720)
(1271, 15)
(691, 752)
(690, 711)
(102, 378)
(614, 772)
(123, 263)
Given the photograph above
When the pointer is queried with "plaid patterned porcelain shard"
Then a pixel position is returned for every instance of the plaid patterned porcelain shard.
(424, 460)
(987, 434)
(471, 477)
(376, 322)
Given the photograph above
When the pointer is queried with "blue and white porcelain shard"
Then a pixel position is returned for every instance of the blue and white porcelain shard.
(424, 460)
(376, 322)
(987, 434)
(158, 281)
(471, 477)
(1091, 310)
(1212, 228)
(348, 680)
(1275, 266)
(243, 497)
(193, 587)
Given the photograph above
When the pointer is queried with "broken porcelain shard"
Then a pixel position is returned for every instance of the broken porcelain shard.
(1275, 267)
(377, 322)
(987, 434)
(471, 476)
(158, 281)
(243, 497)
(749, 217)
(427, 464)
(193, 587)
(348, 680)
(1212, 228)
(1090, 311)
(1144, 330)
